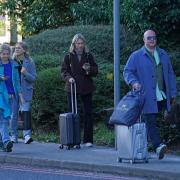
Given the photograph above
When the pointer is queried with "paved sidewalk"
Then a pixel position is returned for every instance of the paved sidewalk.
(98, 159)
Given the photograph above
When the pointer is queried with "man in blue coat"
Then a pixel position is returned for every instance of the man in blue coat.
(149, 69)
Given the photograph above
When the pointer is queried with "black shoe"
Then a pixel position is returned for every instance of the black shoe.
(1, 146)
(8, 146)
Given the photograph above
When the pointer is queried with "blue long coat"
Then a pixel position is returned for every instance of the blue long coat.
(4, 97)
(141, 69)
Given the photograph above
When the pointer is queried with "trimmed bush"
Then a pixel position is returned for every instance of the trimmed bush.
(46, 61)
(49, 99)
(49, 47)
(99, 40)
(104, 94)
(175, 59)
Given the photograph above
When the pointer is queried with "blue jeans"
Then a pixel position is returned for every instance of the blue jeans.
(13, 121)
(152, 131)
(5, 121)
(4, 131)
(26, 107)
(14, 103)
(150, 120)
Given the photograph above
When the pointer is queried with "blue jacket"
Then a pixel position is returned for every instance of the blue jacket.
(141, 69)
(4, 97)
(27, 80)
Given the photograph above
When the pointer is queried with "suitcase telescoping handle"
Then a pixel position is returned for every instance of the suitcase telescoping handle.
(73, 99)
(140, 119)
(138, 91)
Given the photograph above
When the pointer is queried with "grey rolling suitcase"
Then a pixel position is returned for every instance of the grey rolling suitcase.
(132, 143)
(69, 125)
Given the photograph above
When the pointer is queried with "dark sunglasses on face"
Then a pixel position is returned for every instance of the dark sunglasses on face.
(151, 38)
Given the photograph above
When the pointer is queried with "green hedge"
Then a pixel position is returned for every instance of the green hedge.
(51, 45)
(48, 100)
(99, 40)
(46, 61)
(175, 59)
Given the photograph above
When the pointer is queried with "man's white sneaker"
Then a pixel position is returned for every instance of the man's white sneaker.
(28, 140)
(88, 144)
(161, 150)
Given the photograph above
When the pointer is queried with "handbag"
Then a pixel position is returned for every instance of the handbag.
(20, 122)
(129, 109)
(173, 116)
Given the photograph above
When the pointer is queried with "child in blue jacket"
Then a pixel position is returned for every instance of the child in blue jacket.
(10, 92)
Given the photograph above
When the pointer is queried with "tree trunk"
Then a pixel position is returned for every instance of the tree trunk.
(13, 32)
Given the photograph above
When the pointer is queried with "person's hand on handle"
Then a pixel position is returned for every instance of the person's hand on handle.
(71, 80)
(136, 86)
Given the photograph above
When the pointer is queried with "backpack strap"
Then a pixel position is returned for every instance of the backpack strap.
(87, 57)
(69, 60)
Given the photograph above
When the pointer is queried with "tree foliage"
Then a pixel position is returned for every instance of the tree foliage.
(37, 15)
(92, 12)
(163, 16)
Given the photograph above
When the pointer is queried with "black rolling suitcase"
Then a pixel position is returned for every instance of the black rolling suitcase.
(69, 124)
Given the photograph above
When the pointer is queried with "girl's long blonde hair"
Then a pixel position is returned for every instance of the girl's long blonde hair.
(74, 40)
(26, 49)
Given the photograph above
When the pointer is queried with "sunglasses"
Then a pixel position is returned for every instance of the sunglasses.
(151, 38)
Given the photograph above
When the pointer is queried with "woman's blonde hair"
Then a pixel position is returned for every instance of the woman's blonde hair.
(5, 46)
(26, 49)
(75, 39)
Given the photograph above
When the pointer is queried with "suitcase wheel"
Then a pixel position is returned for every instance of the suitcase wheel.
(119, 160)
(68, 147)
(61, 146)
(131, 161)
(78, 146)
